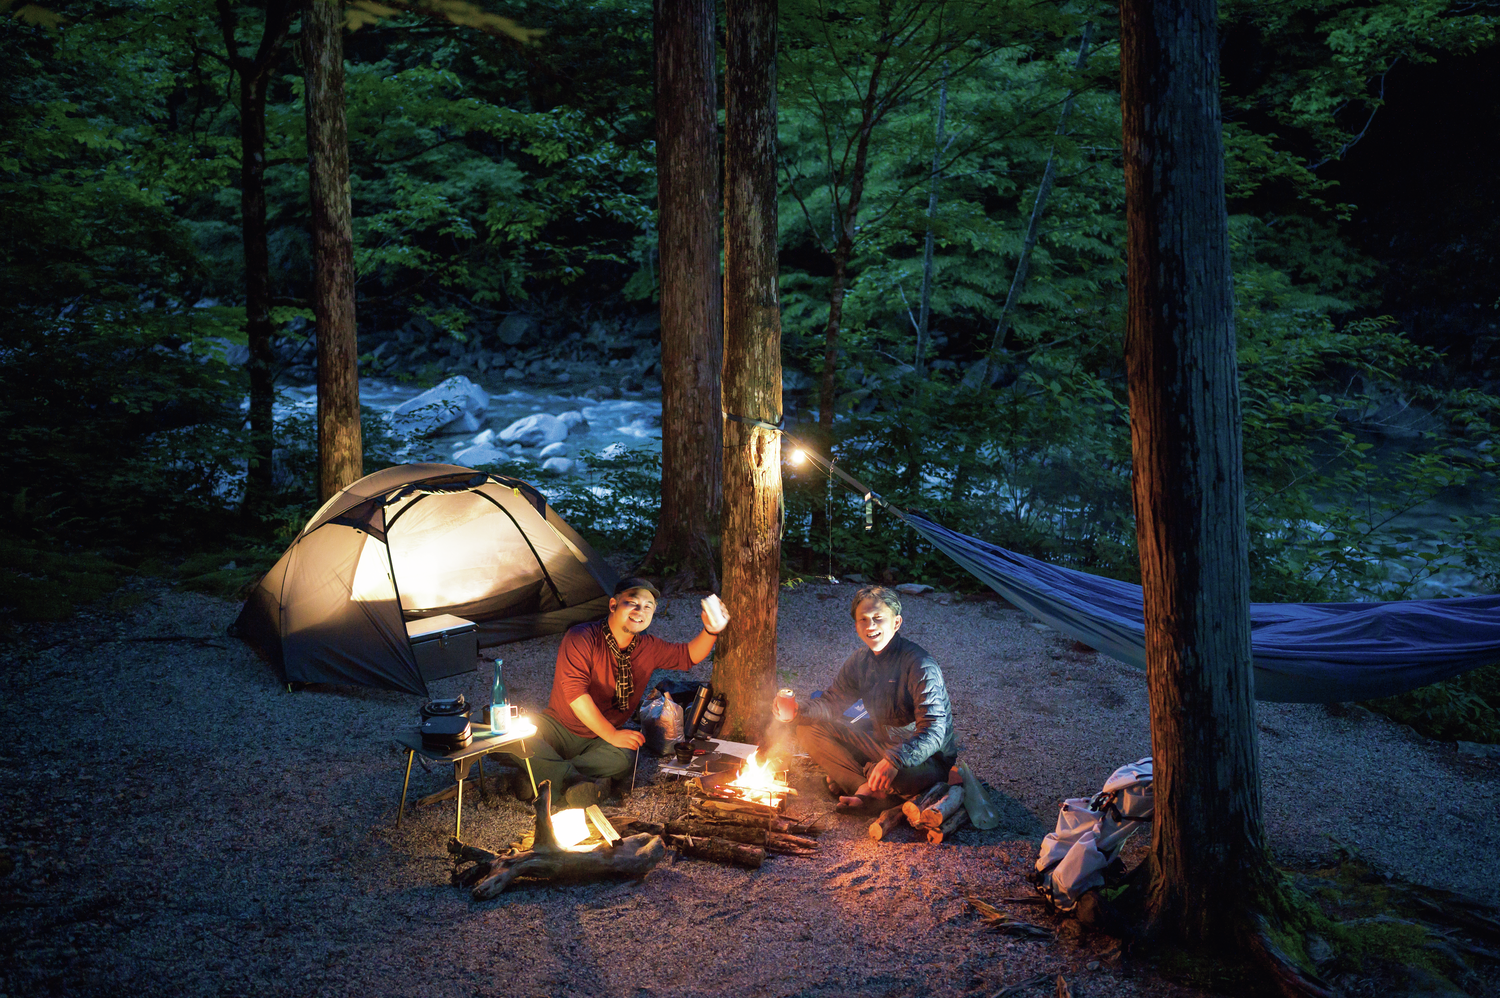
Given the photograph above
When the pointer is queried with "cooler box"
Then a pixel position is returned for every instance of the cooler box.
(444, 645)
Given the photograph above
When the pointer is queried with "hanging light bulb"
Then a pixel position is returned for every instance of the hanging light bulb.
(798, 455)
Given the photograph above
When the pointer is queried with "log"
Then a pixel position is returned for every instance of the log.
(720, 850)
(888, 821)
(936, 835)
(913, 808)
(767, 822)
(793, 844)
(933, 815)
(606, 830)
(707, 829)
(546, 860)
(735, 806)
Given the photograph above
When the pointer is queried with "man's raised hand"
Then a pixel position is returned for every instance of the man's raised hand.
(715, 614)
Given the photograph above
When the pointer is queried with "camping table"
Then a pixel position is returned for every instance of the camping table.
(513, 742)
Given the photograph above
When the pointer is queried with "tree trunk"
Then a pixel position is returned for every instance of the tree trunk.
(254, 74)
(924, 306)
(340, 451)
(745, 664)
(1209, 857)
(692, 342)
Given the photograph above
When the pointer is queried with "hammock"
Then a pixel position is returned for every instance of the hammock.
(1304, 652)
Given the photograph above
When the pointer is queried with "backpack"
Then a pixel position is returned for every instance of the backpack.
(1090, 832)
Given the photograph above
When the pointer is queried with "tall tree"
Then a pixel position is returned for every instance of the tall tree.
(692, 343)
(745, 664)
(1209, 865)
(254, 73)
(340, 451)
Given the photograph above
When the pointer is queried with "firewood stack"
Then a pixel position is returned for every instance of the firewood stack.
(935, 814)
(736, 832)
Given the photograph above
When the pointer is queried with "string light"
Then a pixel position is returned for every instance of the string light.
(798, 455)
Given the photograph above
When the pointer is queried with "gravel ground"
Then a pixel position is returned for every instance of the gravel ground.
(180, 824)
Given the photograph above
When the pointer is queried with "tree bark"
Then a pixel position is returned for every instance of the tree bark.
(340, 449)
(940, 810)
(254, 74)
(890, 819)
(745, 663)
(1208, 844)
(692, 337)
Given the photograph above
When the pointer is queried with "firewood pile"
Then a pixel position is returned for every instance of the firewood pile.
(737, 832)
(933, 815)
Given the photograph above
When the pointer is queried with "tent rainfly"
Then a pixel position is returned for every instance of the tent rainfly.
(411, 542)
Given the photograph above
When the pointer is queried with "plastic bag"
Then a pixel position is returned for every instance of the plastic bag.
(661, 722)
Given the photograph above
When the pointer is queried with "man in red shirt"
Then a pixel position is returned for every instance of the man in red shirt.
(602, 670)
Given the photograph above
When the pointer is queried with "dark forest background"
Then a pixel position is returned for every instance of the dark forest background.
(504, 211)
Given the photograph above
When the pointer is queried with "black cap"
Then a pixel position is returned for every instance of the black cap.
(636, 582)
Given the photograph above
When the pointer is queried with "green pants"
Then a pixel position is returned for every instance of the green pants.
(563, 757)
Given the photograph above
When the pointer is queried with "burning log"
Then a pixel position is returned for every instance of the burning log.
(947, 828)
(547, 860)
(913, 808)
(889, 821)
(732, 805)
(720, 850)
(933, 815)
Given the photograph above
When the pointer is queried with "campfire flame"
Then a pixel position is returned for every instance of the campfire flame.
(756, 782)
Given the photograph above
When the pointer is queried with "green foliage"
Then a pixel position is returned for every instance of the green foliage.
(1464, 708)
(614, 505)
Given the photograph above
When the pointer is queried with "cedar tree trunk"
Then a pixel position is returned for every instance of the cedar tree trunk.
(340, 452)
(1210, 864)
(692, 344)
(254, 74)
(745, 665)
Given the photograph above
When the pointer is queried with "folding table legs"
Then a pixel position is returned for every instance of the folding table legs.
(401, 811)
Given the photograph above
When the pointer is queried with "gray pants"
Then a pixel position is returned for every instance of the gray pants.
(847, 754)
(563, 757)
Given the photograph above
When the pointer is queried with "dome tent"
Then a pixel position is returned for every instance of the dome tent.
(411, 542)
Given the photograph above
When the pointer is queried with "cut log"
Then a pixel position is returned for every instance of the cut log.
(947, 828)
(606, 830)
(708, 829)
(888, 821)
(913, 808)
(546, 860)
(720, 850)
(933, 815)
(769, 823)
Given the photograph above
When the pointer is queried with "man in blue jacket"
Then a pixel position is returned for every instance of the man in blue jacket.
(912, 743)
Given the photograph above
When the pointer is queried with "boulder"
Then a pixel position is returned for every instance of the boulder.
(552, 450)
(515, 329)
(574, 421)
(913, 589)
(536, 430)
(479, 454)
(454, 406)
(561, 465)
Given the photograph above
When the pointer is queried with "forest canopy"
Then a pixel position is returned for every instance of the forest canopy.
(504, 214)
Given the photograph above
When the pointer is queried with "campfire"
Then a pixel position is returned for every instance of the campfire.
(758, 784)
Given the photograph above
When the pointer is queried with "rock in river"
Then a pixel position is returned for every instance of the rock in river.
(536, 430)
(456, 406)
